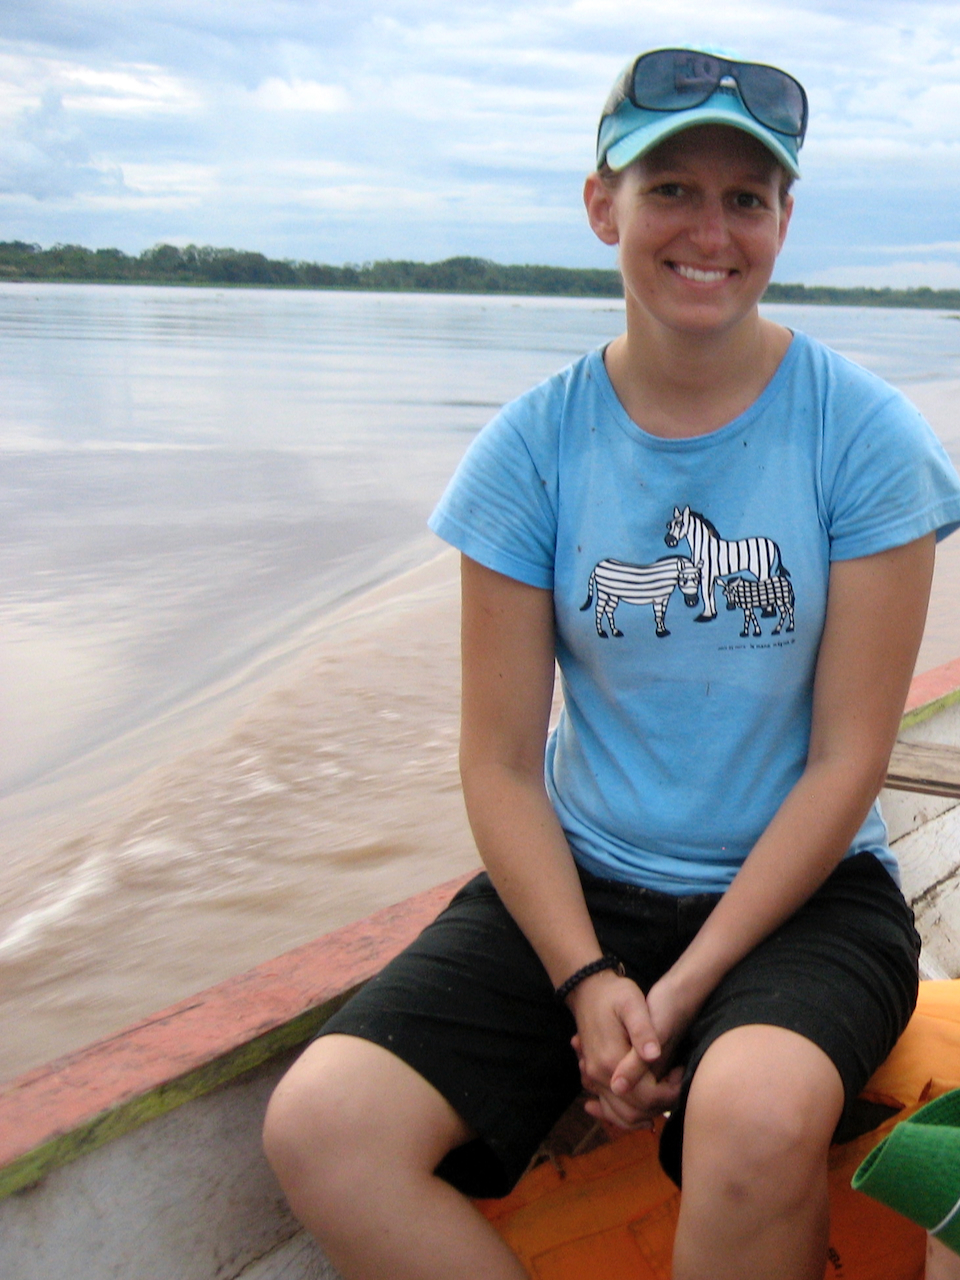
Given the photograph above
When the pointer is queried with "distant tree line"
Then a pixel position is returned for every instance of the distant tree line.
(204, 265)
(168, 264)
(833, 296)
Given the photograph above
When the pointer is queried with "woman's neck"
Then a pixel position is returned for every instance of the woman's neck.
(679, 385)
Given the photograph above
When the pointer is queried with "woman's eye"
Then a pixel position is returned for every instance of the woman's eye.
(670, 189)
(748, 200)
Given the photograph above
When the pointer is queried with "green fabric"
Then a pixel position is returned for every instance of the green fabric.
(916, 1169)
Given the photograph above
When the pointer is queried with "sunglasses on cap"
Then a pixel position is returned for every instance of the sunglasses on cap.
(680, 79)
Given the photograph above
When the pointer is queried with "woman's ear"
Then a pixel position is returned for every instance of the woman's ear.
(598, 200)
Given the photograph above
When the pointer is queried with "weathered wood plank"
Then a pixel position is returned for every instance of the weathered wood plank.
(929, 866)
(930, 767)
(929, 857)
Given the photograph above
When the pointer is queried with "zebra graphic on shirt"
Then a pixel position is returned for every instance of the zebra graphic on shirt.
(769, 594)
(653, 584)
(717, 557)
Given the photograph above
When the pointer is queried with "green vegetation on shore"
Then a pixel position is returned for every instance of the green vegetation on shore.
(168, 264)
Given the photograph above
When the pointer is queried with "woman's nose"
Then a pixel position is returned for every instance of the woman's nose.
(709, 228)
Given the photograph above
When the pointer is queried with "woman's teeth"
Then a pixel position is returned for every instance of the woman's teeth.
(701, 276)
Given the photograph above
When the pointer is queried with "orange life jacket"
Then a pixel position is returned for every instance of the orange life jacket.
(611, 1212)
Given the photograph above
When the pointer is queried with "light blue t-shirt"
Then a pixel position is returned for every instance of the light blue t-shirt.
(690, 581)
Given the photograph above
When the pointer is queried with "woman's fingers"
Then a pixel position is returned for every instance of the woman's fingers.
(627, 1073)
(609, 1111)
(639, 1027)
(649, 1098)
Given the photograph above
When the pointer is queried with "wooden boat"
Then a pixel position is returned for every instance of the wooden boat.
(139, 1156)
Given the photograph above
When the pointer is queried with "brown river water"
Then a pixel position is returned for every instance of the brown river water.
(308, 784)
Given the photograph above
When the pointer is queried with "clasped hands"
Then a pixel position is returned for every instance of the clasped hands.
(624, 1043)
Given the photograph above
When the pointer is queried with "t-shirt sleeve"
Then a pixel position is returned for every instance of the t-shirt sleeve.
(500, 506)
(887, 480)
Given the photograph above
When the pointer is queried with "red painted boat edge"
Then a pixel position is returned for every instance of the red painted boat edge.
(65, 1108)
(932, 690)
(57, 1112)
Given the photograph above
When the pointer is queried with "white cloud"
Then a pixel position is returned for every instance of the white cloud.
(119, 90)
(44, 155)
(527, 154)
(275, 94)
(124, 91)
(938, 246)
(360, 197)
(881, 148)
(19, 86)
(367, 203)
(181, 183)
(303, 170)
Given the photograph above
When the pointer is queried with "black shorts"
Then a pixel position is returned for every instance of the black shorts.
(469, 1006)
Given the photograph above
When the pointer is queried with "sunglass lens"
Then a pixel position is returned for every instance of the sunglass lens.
(773, 97)
(672, 79)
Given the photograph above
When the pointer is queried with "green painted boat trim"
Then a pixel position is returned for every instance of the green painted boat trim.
(33, 1167)
(930, 709)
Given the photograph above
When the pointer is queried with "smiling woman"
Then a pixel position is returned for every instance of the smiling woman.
(688, 883)
(699, 222)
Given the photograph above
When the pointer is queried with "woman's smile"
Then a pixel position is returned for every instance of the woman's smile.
(702, 275)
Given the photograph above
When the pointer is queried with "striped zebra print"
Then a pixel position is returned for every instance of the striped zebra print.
(614, 581)
(770, 595)
(717, 557)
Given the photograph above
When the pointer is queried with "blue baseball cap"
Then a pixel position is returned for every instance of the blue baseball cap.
(628, 131)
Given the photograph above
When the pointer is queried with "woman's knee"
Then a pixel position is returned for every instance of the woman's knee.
(347, 1108)
(306, 1113)
(762, 1108)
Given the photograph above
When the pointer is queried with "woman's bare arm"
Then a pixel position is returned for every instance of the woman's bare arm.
(508, 679)
(507, 693)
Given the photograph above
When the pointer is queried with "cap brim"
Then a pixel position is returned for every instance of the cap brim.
(649, 133)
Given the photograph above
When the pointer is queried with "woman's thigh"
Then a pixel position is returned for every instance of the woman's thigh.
(344, 1100)
(840, 973)
(470, 1009)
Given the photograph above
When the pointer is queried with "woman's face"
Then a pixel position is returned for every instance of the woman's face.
(699, 222)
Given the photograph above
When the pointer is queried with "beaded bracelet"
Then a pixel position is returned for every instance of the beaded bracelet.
(588, 970)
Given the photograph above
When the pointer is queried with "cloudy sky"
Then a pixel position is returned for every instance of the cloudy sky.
(352, 130)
